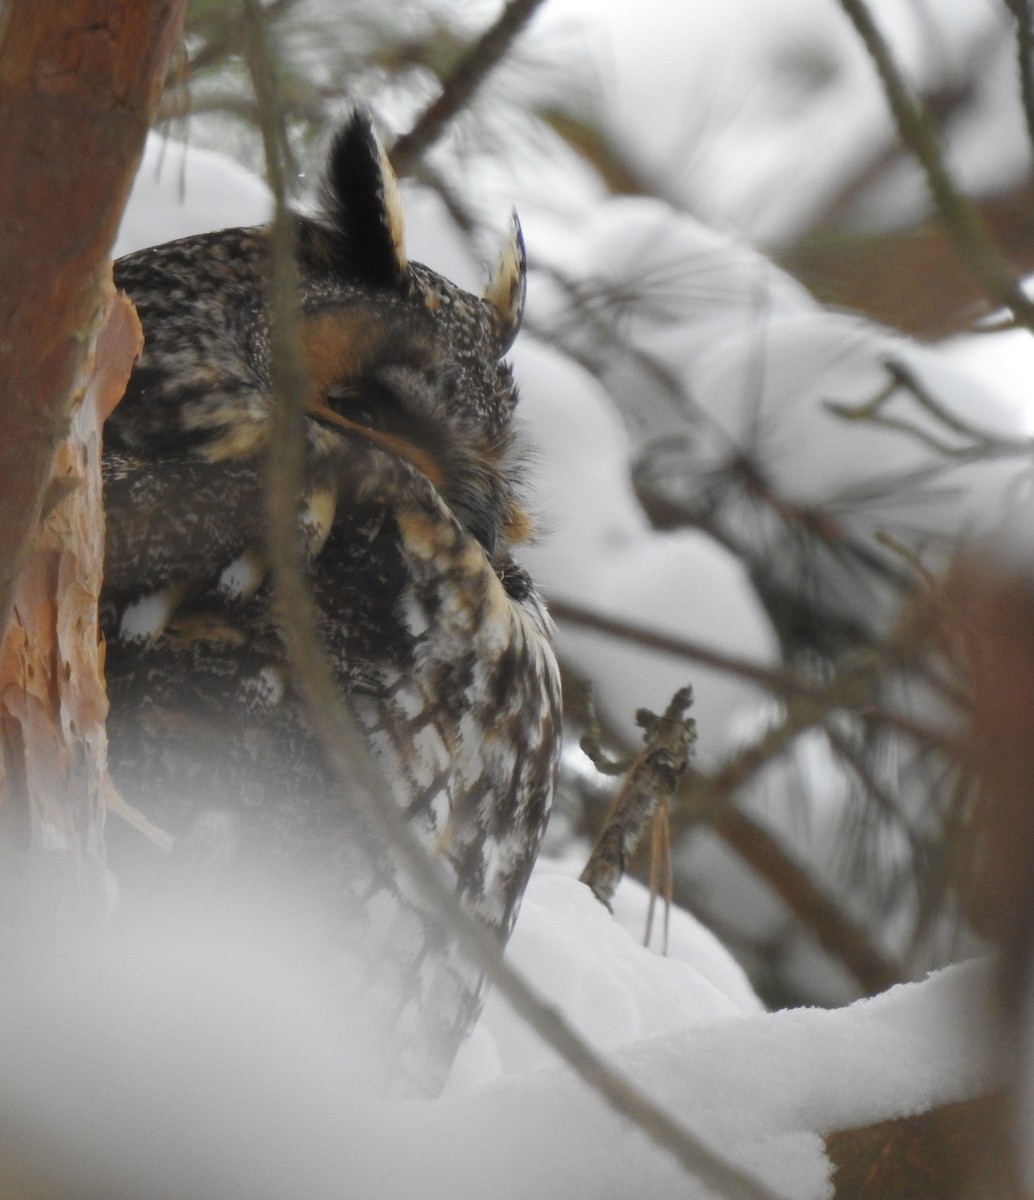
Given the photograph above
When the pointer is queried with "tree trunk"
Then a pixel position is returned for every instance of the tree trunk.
(79, 81)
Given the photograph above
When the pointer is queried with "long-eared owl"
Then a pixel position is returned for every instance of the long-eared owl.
(411, 506)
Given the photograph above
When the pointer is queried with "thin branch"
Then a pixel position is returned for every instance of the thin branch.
(344, 745)
(981, 444)
(227, 40)
(767, 678)
(947, 100)
(582, 703)
(851, 690)
(840, 935)
(920, 136)
(850, 757)
(707, 795)
(1024, 14)
(459, 88)
(589, 140)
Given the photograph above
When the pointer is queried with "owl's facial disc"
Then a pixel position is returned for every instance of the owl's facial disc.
(389, 377)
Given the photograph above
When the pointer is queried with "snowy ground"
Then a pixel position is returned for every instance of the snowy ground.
(178, 1066)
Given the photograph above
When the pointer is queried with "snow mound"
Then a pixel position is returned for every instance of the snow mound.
(597, 972)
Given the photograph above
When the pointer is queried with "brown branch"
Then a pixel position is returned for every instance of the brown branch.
(839, 935)
(619, 174)
(651, 783)
(79, 82)
(708, 794)
(850, 690)
(464, 81)
(1023, 11)
(957, 1151)
(346, 749)
(920, 136)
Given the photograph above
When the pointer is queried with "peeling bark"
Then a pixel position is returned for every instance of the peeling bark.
(79, 81)
(53, 776)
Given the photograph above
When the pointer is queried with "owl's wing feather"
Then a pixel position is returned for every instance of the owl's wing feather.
(154, 538)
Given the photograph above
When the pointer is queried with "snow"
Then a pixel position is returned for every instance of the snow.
(1007, 358)
(597, 551)
(712, 353)
(211, 1067)
(601, 977)
(760, 1088)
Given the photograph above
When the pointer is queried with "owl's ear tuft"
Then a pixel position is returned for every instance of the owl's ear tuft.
(360, 198)
(505, 290)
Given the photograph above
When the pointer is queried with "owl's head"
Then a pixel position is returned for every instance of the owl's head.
(401, 356)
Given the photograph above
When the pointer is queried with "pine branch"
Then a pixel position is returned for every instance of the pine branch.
(710, 799)
(1023, 11)
(839, 934)
(852, 689)
(226, 41)
(977, 444)
(345, 747)
(920, 136)
(459, 88)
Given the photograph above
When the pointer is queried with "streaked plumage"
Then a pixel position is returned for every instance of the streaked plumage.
(436, 634)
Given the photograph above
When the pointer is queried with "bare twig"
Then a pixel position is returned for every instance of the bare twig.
(919, 134)
(346, 748)
(229, 37)
(851, 690)
(652, 781)
(1023, 11)
(707, 795)
(458, 90)
(979, 443)
(839, 934)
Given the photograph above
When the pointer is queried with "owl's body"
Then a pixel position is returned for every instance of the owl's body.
(436, 635)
